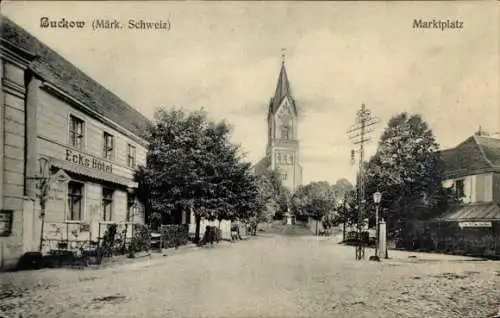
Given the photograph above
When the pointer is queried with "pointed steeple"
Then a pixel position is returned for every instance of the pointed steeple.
(282, 87)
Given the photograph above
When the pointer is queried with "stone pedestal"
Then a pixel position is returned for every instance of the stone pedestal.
(288, 219)
(382, 240)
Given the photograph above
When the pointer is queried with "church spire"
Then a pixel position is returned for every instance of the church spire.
(283, 85)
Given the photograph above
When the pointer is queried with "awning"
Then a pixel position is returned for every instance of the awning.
(90, 173)
(476, 212)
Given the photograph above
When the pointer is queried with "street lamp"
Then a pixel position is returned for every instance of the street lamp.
(377, 197)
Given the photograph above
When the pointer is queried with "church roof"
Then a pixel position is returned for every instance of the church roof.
(261, 166)
(282, 90)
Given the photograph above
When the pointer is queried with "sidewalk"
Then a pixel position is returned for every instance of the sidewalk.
(154, 257)
(402, 256)
(415, 255)
(53, 277)
(124, 261)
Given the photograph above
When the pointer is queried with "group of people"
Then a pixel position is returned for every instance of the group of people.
(249, 228)
(239, 230)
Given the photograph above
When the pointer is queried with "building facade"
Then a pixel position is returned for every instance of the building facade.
(282, 150)
(61, 128)
(472, 169)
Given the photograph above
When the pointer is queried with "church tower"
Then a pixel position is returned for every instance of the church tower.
(282, 151)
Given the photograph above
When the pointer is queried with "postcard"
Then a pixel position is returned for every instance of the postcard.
(250, 159)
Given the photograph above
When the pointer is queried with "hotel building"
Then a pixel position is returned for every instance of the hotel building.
(59, 125)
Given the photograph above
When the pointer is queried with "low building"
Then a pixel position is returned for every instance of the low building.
(59, 125)
(473, 169)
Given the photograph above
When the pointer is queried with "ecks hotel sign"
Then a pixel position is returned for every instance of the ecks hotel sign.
(88, 161)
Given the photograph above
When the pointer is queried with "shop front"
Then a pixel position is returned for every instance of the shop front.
(83, 198)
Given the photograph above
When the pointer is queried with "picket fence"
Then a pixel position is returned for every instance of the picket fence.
(224, 226)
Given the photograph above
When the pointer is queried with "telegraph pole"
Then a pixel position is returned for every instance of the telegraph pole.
(358, 133)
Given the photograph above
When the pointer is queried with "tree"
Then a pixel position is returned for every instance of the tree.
(191, 164)
(267, 198)
(274, 195)
(407, 170)
(341, 188)
(315, 200)
(245, 192)
(142, 175)
(345, 195)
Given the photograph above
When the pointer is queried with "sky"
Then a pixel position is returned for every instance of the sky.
(226, 57)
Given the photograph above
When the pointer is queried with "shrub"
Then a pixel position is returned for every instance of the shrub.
(108, 241)
(174, 235)
(141, 240)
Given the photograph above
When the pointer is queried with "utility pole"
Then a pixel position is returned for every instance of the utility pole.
(358, 133)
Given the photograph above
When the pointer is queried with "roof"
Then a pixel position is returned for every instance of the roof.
(491, 149)
(474, 155)
(56, 70)
(473, 212)
(282, 90)
(261, 166)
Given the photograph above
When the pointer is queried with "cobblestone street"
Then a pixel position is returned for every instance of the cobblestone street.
(269, 276)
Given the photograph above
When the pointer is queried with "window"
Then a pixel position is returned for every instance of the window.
(107, 204)
(109, 144)
(131, 156)
(285, 130)
(283, 175)
(75, 201)
(460, 188)
(76, 127)
(6, 222)
(278, 158)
